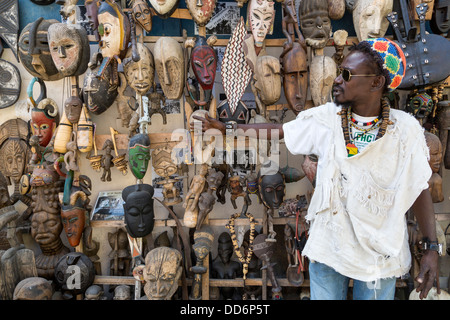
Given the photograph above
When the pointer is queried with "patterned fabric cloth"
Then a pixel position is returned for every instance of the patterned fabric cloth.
(393, 58)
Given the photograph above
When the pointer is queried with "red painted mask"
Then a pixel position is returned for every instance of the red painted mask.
(204, 63)
(44, 119)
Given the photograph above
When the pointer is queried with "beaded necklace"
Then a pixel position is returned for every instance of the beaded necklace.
(245, 261)
(363, 124)
(351, 148)
(374, 124)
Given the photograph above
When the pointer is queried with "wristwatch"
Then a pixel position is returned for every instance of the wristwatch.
(431, 245)
(230, 127)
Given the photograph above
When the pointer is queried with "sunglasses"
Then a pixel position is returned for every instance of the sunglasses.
(347, 75)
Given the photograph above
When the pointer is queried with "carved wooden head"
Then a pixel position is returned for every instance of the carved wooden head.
(142, 14)
(140, 74)
(114, 30)
(44, 120)
(369, 18)
(163, 268)
(268, 79)
(138, 207)
(315, 22)
(322, 75)
(169, 63)
(260, 18)
(139, 154)
(162, 161)
(34, 51)
(201, 10)
(164, 8)
(204, 63)
(69, 48)
(73, 217)
(295, 79)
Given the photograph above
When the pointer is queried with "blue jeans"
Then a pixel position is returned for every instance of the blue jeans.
(327, 284)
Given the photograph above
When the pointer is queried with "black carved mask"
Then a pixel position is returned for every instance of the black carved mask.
(98, 92)
(440, 20)
(240, 115)
(138, 207)
(272, 189)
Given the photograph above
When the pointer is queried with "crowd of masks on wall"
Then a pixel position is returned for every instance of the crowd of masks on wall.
(38, 158)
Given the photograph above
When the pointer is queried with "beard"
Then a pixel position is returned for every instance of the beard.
(344, 104)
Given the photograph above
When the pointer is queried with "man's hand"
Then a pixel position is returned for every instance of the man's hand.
(209, 123)
(427, 273)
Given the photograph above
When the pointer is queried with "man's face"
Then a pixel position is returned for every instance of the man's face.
(355, 90)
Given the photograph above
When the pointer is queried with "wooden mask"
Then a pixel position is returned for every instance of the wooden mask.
(14, 148)
(163, 269)
(268, 79)
(169, 63)
(72, 109)
(139, 154)
(201, 10)
(271, 189)
(162, 162)
(44, 120)
(322, 75)
(114, 30)
(295, 80)
(164, 8)
(369, 18)
(204, 63)
(98, 92)
(34, 51)
(69, 47)
(440, 19)
(315, 22)
(239, 115)
(138, 207)
(142, 14)
(73, 217)
(260, 18)
(140, 74)
(92, 14)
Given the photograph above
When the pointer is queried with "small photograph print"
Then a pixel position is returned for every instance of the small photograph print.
(224, 19)
(109, 206)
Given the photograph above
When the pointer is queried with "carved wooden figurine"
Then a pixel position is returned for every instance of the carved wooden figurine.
(263, 250)
(46, 225)
(203, 239)
(155, 99)
(106, 162)
(192, 197)
(207, 199)
(120, 257)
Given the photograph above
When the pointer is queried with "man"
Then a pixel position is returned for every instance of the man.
(372, 168)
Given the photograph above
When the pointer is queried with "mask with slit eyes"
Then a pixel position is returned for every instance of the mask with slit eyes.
(34, 50)
(138, 209)
(272, 189)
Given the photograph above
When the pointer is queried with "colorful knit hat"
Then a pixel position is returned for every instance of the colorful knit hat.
(393, 59)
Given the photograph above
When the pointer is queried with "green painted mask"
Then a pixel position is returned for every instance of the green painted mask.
(139, 154)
